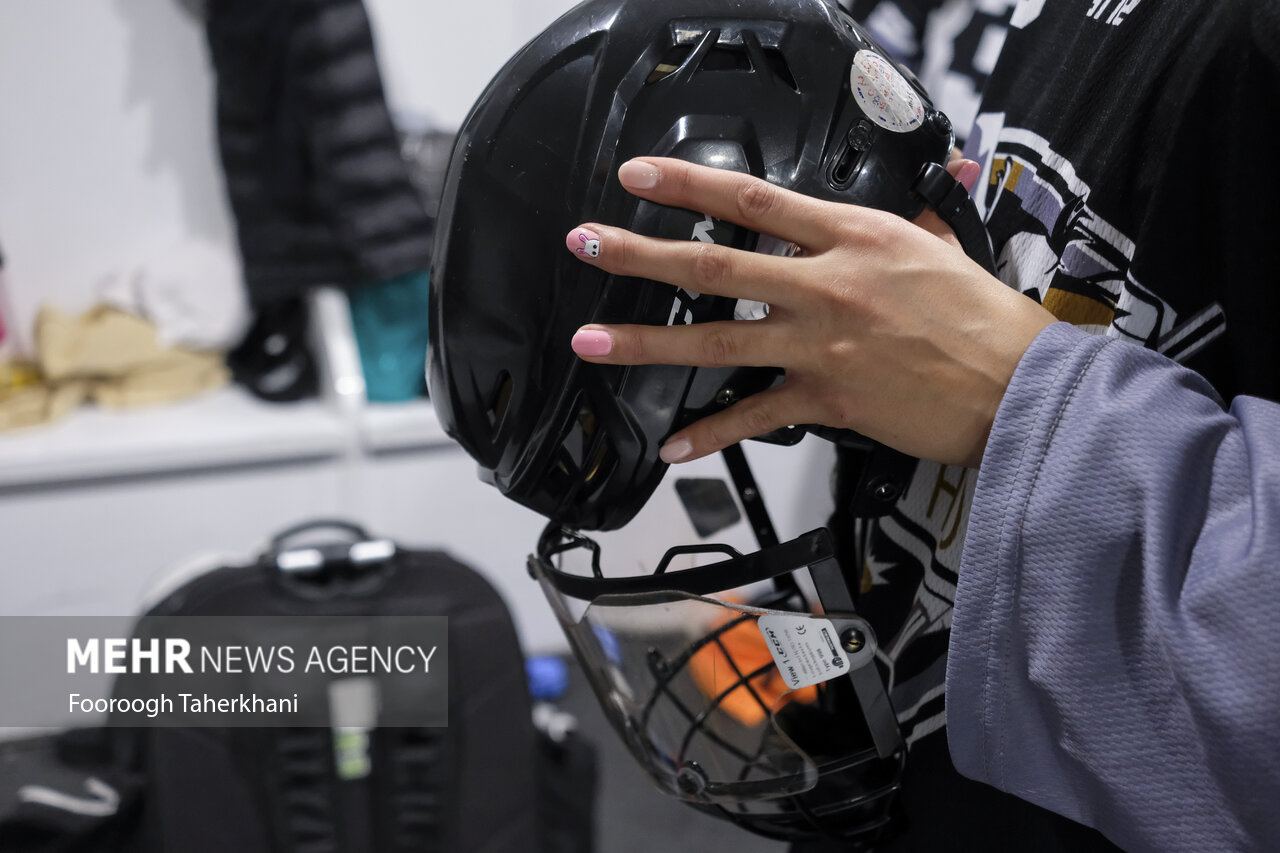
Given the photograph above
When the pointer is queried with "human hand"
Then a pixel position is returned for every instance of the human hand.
(882, 325)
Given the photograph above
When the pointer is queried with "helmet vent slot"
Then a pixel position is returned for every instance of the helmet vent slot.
(499, 399)
(670, 62)
(846, 168)
(778, 64)
(585, 454)
(579, 438)
(600, 463)
(726, 57)
(853, 153)
(746, 55)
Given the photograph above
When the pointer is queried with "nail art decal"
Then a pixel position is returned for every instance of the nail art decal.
(585, 242)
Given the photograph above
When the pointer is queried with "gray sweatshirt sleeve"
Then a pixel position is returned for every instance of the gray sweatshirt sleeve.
(1115, 649)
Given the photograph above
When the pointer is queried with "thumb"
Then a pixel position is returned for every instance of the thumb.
(964, 171)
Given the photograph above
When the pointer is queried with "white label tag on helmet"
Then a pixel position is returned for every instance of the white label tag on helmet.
(884, 94)
(806, 649)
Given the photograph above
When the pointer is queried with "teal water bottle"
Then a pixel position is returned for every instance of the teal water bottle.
(390, 320)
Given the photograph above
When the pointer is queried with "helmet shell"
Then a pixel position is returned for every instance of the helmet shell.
(765, 87)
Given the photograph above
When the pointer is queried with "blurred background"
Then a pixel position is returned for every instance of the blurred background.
(175, 388)
(112, 192)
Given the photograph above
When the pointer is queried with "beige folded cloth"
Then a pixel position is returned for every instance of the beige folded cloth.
(100, 342)
(120, 353)
(106, 355)
(174, 375)
(26, 401)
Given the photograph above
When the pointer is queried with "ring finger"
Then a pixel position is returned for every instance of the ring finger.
(724, 343)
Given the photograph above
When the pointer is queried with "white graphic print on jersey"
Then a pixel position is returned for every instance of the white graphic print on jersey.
(1061, 252)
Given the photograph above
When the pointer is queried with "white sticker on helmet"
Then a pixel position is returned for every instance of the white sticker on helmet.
(884, 94)
(806, 649)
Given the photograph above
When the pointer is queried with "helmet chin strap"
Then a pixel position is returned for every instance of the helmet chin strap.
(955, 207)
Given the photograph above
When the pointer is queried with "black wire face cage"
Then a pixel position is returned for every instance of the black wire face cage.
(691, 686)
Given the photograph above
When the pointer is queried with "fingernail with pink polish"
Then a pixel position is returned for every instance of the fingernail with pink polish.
(638, 175)
(584, 242)
(676, 451)
(968, 174)
(592, 342)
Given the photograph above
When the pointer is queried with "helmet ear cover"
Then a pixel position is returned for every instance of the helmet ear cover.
(752, 87)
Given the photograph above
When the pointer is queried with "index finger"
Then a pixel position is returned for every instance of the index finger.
(732, 196)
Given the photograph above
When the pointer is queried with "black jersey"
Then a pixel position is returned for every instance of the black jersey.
(1128, 184)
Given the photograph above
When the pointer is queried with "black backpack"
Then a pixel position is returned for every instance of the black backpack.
(473, 787)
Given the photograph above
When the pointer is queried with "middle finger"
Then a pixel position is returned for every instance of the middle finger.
(733, 196)
(698, 267)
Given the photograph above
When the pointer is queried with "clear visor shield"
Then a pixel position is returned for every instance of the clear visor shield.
(711, 696)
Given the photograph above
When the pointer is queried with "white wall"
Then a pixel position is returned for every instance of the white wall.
(107, 155)
(108, 164)
(108, 159)
(437, 55)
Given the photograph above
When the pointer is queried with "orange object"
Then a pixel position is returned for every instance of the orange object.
(743, 646)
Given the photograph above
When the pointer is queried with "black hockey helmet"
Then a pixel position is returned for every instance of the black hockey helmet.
(792, 91)
(765, 706)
